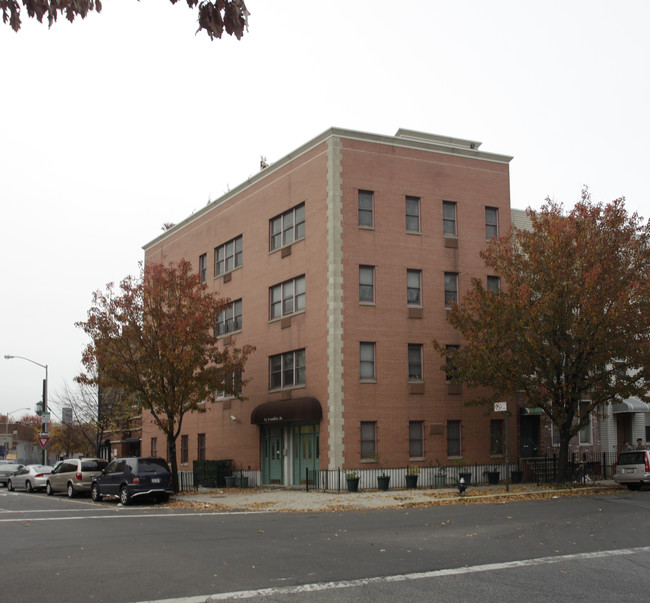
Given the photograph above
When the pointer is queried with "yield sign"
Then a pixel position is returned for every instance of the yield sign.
(43, 441)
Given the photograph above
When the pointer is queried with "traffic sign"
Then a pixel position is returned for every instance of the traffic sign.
(43, 441)
(500, 406)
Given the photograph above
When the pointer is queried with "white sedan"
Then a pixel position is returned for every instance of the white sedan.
(30, 478)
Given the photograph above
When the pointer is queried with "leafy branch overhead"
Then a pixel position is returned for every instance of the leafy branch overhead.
(214, 16)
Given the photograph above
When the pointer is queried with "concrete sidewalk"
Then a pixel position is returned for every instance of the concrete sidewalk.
(289, 500)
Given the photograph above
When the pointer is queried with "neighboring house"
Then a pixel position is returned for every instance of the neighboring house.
(122, 427)
(627, 420)
(342, 260)
(19, 443)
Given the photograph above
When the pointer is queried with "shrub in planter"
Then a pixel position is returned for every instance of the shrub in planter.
(352, 480)
(412, 474)
(493, 477)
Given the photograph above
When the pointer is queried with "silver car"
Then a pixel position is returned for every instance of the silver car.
(30, 478)
(74, 476)
(633, 469)
(7, 470)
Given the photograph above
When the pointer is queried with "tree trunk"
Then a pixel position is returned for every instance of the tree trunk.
(563, 460)
(171, 447)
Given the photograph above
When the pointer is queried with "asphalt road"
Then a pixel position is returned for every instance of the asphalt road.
(586, 548)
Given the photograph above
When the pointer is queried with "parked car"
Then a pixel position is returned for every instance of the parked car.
(633, 469)
(30, 478)
(126, 478)
(74, 476)
(7, 470)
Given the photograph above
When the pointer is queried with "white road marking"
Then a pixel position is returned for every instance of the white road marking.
(117, 513)
(457, 571)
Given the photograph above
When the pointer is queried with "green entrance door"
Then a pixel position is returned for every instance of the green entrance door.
(306, 451)
(272, 459)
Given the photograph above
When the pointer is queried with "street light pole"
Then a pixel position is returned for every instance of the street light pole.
(7, 428)
(45, 384)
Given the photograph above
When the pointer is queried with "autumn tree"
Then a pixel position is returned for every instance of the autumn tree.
(570, 323)
(67, 439)
(33, 421)
(154, 341)
(214, 16)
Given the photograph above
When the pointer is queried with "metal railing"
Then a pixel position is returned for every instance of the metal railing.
(584, 468)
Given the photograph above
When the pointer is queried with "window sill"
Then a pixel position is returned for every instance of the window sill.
(368, 381)
(286, 246)
(367, 303)
(227, 276)
(414, 232)
(366, 227)
(280, 318)
(229, 334)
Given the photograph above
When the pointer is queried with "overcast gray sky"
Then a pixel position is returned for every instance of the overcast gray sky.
(113, 125)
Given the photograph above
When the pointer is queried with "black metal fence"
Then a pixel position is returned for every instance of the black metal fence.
(584, 468)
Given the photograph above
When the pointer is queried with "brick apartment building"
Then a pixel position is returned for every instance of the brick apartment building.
(341, 260)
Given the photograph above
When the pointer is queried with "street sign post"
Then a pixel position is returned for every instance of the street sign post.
(503, 407)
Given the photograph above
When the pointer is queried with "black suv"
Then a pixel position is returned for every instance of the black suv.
(126, 478)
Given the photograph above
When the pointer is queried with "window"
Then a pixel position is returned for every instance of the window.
(413, 214)
(228, 256)
(449, 218)
(367, 361)
(416, 439)
(287, 370)
(368, 439)
(288, 227)
(555, 435)
(367, 284)
(450, 362)
(451, 288)
(491, 222)
(496, 437)
(415, 362)
(288, 297)
(230, 319)
(366, 203)
(585, 436)
(414, 287)
(154, 446)
(494, 284)
(234, 379)
(200, 441)
(203, 267)
(184, 449)
(453, 438)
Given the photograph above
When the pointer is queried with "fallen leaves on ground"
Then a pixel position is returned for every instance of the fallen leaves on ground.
(400, 499)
